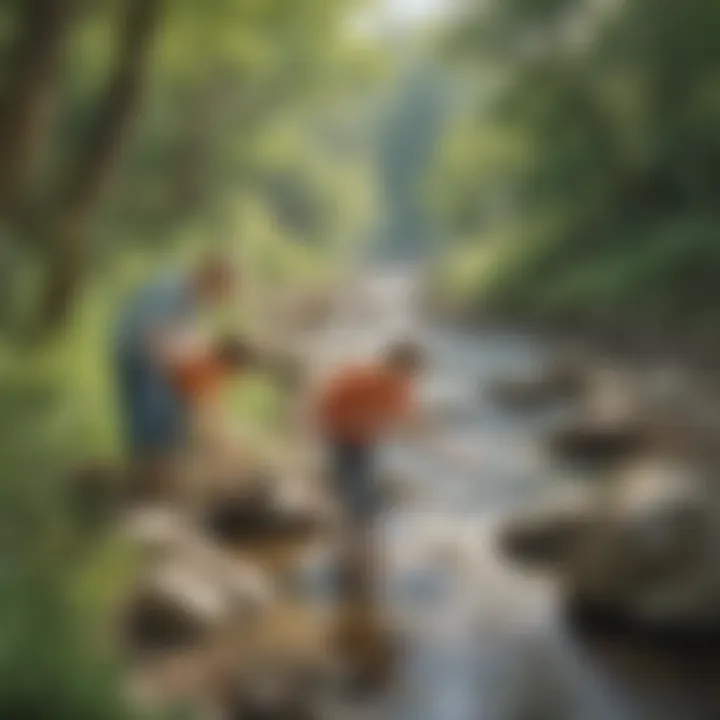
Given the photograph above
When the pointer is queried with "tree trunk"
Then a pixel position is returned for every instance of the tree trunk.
(189, 175)
(67, 240)
(26, 107)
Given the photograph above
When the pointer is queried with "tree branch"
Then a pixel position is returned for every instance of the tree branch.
(95, 165)
(27, 105)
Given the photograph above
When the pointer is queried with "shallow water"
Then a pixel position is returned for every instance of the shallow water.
(481, 640)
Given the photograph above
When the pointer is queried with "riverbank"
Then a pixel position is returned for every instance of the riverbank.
(695, 348)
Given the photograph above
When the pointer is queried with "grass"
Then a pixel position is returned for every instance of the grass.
(58, 409)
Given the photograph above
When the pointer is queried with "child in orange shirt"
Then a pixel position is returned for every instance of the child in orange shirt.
(354, 411)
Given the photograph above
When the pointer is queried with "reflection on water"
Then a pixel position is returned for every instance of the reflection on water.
(435, 577)
(481, 640)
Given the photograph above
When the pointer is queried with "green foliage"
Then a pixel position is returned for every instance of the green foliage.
(50, 666)
(231, 146)
(595, 157)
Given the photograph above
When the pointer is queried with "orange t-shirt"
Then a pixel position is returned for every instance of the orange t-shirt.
(198, 377)
(360, 404)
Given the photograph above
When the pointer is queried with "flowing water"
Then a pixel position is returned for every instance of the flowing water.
(482, 642)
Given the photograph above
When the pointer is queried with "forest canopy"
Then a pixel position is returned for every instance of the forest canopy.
(581, 179)
(136, 123)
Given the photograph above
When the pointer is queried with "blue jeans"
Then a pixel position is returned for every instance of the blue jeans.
(352, 471)
(154, 417)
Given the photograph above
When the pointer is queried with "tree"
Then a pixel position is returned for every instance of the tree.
(218, 75)
(26, 106)
(610, 146)
(67, 232)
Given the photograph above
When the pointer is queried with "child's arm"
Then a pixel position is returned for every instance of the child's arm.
(418, 425)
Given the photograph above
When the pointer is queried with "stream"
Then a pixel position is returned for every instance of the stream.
(481, 641)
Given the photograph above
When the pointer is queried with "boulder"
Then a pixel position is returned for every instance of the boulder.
(172, 609)
(594, 444)
(630, 414)
(641, 550)
(189, 581)
(260, 512)
(565, 379)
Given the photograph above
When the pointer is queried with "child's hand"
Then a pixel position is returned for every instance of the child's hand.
(464, 454)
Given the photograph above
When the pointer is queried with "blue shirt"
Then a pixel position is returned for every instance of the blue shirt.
(169, 299)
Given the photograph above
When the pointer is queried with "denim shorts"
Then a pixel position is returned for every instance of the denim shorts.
(352, 474)
(154, 418)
